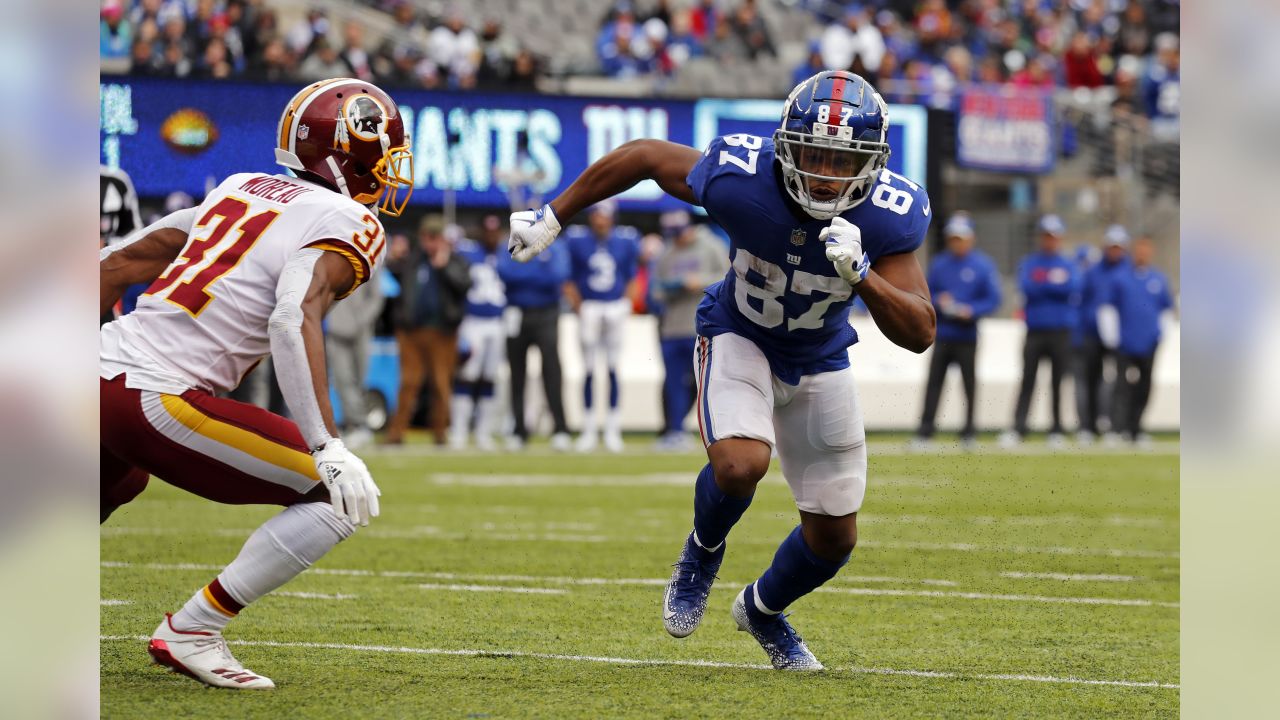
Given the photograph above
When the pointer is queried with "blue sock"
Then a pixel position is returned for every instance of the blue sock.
(714, 512)
(613, 389)
(795, 572)
(587, 388)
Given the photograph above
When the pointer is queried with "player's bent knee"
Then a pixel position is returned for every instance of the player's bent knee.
(739, 463)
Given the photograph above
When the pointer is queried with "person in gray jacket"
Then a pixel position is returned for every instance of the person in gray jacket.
(692, 260)
(348, 343)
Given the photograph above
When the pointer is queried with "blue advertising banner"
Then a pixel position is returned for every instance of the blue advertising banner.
(1005, 128)
(188, 135)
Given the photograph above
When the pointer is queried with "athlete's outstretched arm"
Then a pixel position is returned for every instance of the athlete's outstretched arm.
(897, 295)
(141, 257)
(310, 283)
(667, 163)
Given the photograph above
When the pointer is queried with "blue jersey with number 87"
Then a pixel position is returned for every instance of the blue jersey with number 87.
(781, 291)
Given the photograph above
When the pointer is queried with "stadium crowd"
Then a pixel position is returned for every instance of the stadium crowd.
(914, 51)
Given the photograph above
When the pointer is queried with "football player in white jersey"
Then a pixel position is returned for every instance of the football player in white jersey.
(251, 273)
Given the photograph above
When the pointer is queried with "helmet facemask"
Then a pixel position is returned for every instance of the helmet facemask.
(395, 172)
(811, 159)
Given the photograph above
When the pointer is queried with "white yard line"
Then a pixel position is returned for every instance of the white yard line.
(453, 587)
(1123, 602)
(560, 580)
(436, 533)
(112, 603)
(312, 595)
(387, 649)
(1067, 576)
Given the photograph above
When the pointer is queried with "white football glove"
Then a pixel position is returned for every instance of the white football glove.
(351, 488)
(531, 232)
(844, 250)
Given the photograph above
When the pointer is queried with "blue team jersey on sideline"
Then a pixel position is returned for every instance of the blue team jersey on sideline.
(602, 268)
(1140, 295)
(781, 291)
(487, 296)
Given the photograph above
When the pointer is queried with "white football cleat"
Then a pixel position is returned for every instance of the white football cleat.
(560, 442)
(203, 656)
(613, 442)
(586, 442)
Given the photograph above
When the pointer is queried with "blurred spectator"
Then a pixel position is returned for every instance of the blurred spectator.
(692, 261)
(855, 37)
(482, 339)
(433, 285)
(524, 71)
(177, 47)
(682, 44)
(751, 28)
(620, 58)
(115, 32)
(1139, 298)
(1162, 91)
(933, 26)
(1094, 357)
(215, 63)
(725, 45)
(157, 11)
(275, 64)
(661, 11)
(497, 53)
(1080, 64)
(1038, 72)
(143, 60)
(533, 298)
(1049, 282)
(353, 54)
(323, 62)
(455, 50)
(811, 66)
(348, 342)
(965, 286)
(303, 35)
(704, 18)
(643, 301)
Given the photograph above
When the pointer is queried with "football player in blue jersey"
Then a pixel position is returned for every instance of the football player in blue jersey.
(482, 331)
(814, 218)
(603, 260)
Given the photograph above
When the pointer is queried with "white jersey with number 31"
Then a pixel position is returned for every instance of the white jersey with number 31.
(203, 323)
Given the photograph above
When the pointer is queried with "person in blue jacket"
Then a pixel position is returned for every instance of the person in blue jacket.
(1129, 322)
(965, 286)
(1050, 285)
(1093, 356)
(533, 302)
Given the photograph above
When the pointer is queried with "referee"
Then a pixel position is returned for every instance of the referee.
(965, 286)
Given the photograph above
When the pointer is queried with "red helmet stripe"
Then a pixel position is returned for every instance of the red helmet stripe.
(837, 88)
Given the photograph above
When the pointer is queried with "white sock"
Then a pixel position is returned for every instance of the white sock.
(613, 422)
(279, 550)
(460, 413)
(484, 416)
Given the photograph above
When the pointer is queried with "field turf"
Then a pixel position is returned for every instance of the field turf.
(987, 585)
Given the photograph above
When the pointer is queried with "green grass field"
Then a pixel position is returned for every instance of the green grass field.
(992, 584)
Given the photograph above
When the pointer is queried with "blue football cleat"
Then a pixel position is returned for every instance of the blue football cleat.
(686, 596)
(785, 647)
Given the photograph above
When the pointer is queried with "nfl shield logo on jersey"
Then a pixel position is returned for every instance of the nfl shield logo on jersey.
(798, 236)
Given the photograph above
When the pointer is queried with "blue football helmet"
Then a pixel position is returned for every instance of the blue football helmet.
(832, 142)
